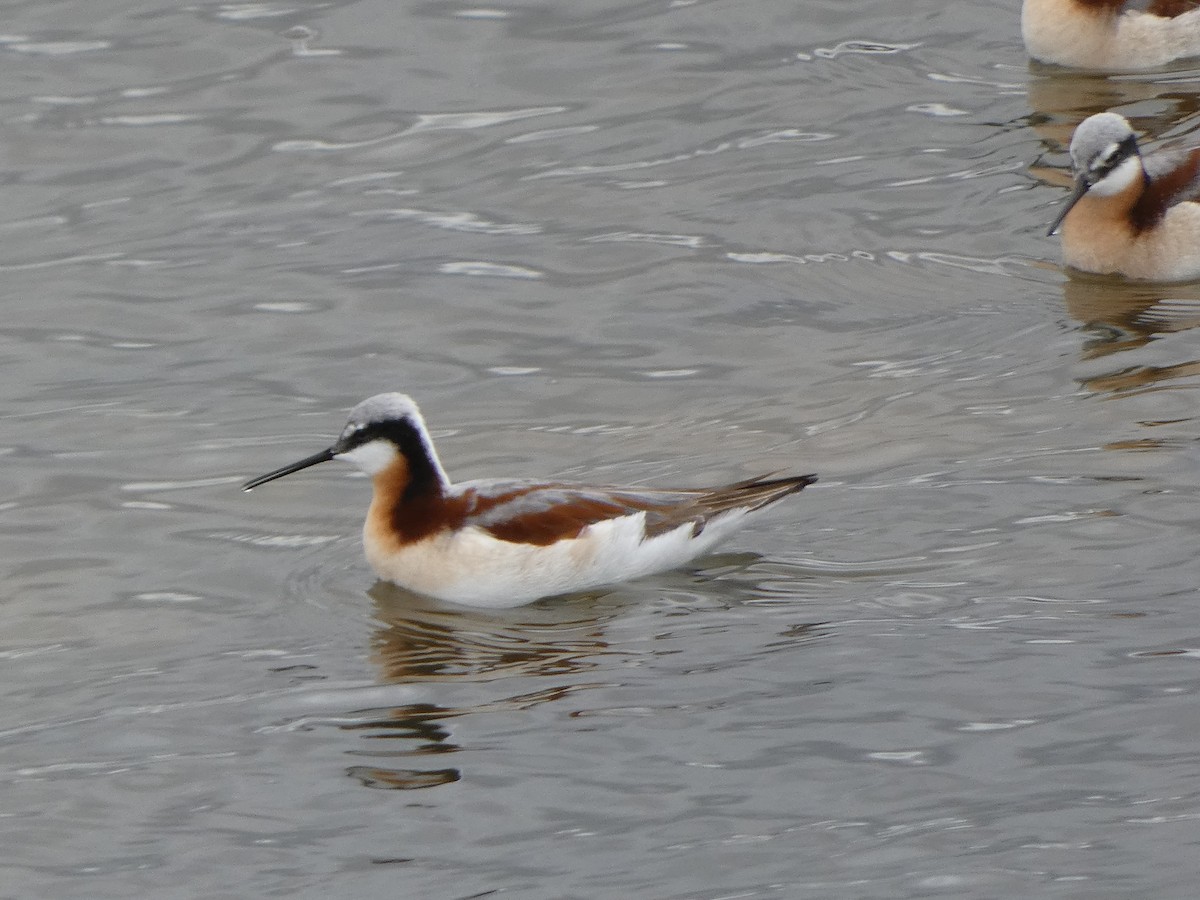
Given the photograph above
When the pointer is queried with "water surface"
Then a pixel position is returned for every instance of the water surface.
(669, 242)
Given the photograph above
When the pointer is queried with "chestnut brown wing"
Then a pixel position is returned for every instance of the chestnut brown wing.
(1172, 178)
(541, 514)
(1171, 8)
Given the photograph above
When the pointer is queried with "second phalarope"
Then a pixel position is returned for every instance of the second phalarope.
(501, 543)
(1111, 35)
(1128, 214)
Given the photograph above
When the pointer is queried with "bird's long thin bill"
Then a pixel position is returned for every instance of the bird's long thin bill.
(1081, 188)
(323, 456)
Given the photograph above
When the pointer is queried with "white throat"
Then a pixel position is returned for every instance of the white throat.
(372, 457)
(1118, 179)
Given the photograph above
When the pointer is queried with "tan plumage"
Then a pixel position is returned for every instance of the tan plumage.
(1111, 35)
(1128, 214)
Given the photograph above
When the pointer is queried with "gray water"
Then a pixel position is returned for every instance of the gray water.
(671, 243)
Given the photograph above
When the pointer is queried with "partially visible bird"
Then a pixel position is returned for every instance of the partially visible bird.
(1130, 214)
(1111, 35)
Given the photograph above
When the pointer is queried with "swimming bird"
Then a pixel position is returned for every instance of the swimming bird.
(1130, 214)
(500, 543)
(1111, 35)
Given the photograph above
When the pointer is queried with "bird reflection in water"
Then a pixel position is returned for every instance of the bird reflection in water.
(424, 641)
(1059, 100)
(421, 641)
(1125, 317)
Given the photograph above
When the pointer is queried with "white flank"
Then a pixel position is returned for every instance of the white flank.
(473, 568)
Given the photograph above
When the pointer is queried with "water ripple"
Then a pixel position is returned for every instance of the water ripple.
(481, 268)
(866, 47)
(425, 122)
(465, 221)
(54, 48)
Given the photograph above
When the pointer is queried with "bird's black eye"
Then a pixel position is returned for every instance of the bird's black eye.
(1115, 154)
(352, 436)
(1112, 156)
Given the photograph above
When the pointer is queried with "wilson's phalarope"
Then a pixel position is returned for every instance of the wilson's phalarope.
(499, 543)
(1111, 35)
(1128, 214)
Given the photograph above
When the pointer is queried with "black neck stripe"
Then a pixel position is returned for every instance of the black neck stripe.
(424, 476)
